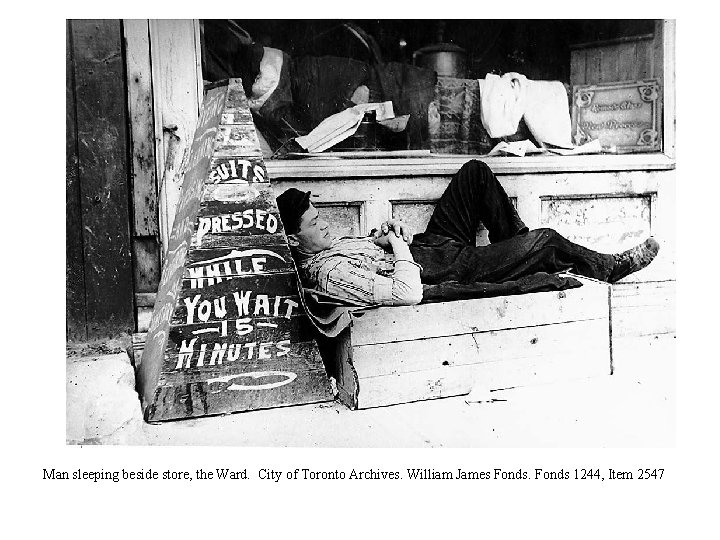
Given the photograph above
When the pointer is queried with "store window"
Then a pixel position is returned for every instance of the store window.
(458, 87)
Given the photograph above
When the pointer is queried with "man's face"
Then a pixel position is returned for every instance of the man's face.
(314, 234)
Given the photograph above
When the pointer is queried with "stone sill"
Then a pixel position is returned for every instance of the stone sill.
(446, 164)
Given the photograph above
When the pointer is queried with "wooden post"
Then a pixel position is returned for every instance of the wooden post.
(145, 229)
(99, 86)
(228, 332)
(177, 94)
(75, 272)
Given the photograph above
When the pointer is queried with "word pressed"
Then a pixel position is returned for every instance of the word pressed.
(247, 219)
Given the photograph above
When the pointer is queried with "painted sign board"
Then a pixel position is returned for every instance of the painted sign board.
(228, 332)
(624, 116)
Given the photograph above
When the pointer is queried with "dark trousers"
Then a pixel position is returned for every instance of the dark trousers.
(447, 251)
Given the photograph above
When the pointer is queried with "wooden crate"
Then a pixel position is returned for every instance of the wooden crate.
(643, 308)
(396, 355)
(624, 59)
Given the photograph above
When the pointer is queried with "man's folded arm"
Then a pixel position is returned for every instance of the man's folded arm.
(406, 285)
(401, 288)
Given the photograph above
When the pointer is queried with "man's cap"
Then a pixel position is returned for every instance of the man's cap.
(292, 204)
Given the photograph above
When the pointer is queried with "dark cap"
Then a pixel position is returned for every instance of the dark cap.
(292, 204)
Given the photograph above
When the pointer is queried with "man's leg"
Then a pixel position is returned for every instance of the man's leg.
(475, 195)
(540, 250)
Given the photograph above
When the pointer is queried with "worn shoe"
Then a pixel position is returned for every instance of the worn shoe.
(633, 259)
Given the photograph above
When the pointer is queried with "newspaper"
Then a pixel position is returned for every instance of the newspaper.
(340, 126)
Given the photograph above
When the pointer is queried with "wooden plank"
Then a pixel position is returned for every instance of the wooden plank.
(665, 71)
(613, 41)
(658, 49)
(206, 264)
(197, 167)
(385, 325)
(449, 381)
(75, 315)
(219, 358)
(593, 66)
(213, 308)
(232, 239)
(145, 299)
(146, 257)
(138, 345)
(234, 191)
(203, 399)
(103, 173)
(226, 199)
(142, 137)
(264, 329)
(347, 378)
(627, 67)
(448, 165)
(643, 293)
(577, 67)
(640, 309)
(177, 95)
(644, 60)
(144, 316)
(297, 329)
(234, 331)
(609, 64)
(644, 320)
(478, 347)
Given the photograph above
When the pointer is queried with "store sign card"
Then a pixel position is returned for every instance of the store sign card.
(228, 331)
(623, 116)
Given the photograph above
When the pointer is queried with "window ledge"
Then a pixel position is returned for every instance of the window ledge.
(444, 164)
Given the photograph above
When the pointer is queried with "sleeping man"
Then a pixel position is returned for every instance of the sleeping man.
(390, 266)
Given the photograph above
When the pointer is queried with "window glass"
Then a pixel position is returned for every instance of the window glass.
(298, 73)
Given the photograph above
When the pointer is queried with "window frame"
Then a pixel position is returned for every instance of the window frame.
(442, 164)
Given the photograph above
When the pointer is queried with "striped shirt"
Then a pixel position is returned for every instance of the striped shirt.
(358, 270)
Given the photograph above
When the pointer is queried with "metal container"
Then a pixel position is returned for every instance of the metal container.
(365, 138)
(447, 59)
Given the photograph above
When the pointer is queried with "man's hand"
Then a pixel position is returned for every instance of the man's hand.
(397, 243)
(401, 229)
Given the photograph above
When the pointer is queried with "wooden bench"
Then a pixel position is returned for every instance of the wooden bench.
(396, 355)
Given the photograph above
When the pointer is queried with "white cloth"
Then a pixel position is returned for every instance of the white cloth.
(542, 104)
(547, 113)
(267, 80)
(502, 101)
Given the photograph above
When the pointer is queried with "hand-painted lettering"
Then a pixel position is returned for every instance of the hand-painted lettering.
(258, 219)
(237, 171)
